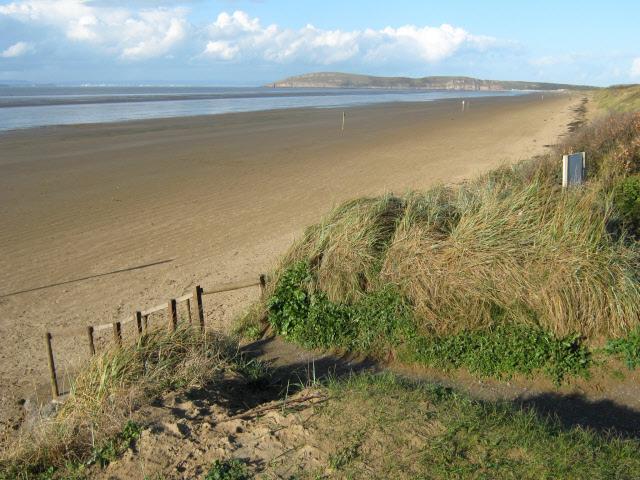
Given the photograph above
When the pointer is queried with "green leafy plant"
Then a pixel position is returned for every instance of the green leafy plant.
(370, 325)
(232, 469)
(626, 198)
(628, 348)
(381, 321)
(503, 350)
(116, 446)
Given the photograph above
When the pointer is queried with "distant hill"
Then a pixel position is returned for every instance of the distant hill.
(348, 80)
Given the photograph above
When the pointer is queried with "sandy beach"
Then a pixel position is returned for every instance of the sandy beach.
(101, 220)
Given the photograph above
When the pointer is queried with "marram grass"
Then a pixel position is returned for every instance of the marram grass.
(508, 247)
(105, 393)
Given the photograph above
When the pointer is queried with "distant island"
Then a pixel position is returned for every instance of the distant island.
(349, 80)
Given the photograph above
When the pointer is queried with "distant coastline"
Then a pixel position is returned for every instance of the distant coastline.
(348, 80)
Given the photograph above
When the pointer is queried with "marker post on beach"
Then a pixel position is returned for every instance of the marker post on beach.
(55, 391)
(463, 105)
(343, 117)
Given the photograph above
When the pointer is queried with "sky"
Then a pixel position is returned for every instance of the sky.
(253, 42)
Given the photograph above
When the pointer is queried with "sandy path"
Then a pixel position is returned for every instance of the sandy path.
(208, 200)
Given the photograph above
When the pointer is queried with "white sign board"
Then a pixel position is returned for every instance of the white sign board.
(573, 169)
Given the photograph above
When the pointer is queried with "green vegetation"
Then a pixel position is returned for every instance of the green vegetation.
(504, 350)
(507, 273)
(418, 430)
(627, 201)
(93, 425)
(372, 323)
(627, 348)
(380, 321)
(227, 470)
(116, 446)
(623, 98)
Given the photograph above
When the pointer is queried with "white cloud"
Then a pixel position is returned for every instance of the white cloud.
(16, 50)
(134, 33)
(130, 34)
(635, 67)
(221, 49)
(234, 36)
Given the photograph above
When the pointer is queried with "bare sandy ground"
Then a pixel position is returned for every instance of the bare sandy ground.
(100, 220)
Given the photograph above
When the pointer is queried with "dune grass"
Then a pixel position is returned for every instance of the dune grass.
(622, 98)
(93, 425)
(510, 247)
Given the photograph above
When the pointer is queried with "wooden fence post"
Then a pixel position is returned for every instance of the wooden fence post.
(137, 316)
(52, 367)
(117, 333)
(189, 311)
(145, 323)
(263, 284)
(173, 315)
(92, 347)
(197, 303)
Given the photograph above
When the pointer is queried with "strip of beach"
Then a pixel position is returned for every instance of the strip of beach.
(101, 220)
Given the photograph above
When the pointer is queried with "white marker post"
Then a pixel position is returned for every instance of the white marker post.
(573, 169)
(343, 116)
(463, 105)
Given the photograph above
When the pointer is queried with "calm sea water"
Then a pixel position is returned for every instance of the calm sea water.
(28, 107)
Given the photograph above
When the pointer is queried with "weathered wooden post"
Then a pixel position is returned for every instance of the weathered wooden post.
(189, 311)
(173, 315)
(263, 285)
(52, 367)
(117, 333)
(573, 169)
(92, 347)
(145, 322)
(137, 316)
(197, 303)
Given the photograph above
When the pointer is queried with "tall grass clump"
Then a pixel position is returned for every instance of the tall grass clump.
(527, 250)
(347, 246)
(510, 247)
(106, 392)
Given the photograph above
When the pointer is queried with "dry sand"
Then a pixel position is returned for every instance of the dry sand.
(101, 220)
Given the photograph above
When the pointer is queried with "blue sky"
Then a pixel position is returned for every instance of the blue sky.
(226, 42)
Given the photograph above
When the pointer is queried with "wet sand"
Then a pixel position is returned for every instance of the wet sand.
(101, 220)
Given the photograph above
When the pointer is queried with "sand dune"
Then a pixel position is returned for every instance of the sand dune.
(100, 220)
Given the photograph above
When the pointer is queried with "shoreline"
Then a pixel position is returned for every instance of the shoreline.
(80, 103)
(282, 92)
(208, 200)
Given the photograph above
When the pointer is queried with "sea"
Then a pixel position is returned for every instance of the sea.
(37, 106)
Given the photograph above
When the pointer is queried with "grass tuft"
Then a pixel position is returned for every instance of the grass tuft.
(93, 425)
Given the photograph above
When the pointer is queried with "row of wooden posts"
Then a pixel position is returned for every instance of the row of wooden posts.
(140, 319)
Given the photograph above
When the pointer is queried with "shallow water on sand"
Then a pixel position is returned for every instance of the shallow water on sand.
(27, 107)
